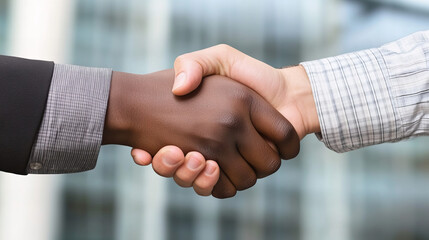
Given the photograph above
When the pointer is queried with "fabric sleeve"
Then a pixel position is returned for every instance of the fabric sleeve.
(373, 96)
(24, 87)
(71, 132)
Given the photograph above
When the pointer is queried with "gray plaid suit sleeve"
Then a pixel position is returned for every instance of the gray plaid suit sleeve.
(70, 135)
(373, 96)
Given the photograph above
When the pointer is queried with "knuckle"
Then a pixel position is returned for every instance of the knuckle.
(231, 121)
(282, 129)
(285, 130)
(202, 185)
(183, 179)
(290, 141)
(163, 172)
(180, 60)
(247, 183)
(182, 182)
(224, 61)
(271, 167)
(243, 96)
(223, 47)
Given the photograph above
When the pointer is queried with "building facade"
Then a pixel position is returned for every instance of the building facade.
(373, 193)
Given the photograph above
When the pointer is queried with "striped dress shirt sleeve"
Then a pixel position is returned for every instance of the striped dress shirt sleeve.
(373, 96)
(70, 135)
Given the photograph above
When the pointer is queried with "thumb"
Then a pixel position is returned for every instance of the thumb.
(189, 74)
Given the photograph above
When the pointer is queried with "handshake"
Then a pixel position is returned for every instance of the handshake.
(232, 133)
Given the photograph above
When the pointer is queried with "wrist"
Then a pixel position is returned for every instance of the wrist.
(300, 95)
(117, 127)
(134, 100)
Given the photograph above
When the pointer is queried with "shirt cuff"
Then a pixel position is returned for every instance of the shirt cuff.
(373, 96)
(407, 61)
(71, 132)
(353, 100)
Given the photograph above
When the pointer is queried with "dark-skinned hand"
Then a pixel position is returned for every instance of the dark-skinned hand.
(224, 120)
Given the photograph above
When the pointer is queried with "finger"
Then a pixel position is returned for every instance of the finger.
(258, 153)
(205, 182)
(167, 160)
(271, 124)
(141, 157)
(192, 167)
(226, 61)
(224, 187)
(239, 172)
(191, 67)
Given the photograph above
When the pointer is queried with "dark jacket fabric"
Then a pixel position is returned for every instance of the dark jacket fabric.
(24, 88)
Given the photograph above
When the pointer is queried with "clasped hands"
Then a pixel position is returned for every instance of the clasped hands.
(232, 133)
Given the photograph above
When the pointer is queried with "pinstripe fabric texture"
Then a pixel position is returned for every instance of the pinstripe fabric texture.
(373, 96)
(70, 136)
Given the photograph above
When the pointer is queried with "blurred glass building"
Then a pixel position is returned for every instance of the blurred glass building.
(373, 193)
(3, 22)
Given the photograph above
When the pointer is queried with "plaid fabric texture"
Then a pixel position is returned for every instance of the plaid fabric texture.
(70, 136)
(373, 96)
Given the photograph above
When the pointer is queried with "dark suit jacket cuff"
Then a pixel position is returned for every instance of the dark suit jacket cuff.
(24, 87)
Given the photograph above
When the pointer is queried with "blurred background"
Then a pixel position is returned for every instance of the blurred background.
(375, 193)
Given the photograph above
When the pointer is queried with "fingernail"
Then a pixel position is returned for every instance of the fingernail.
(210, 169)
(169, 161)
(179, 81)
(193, 163)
